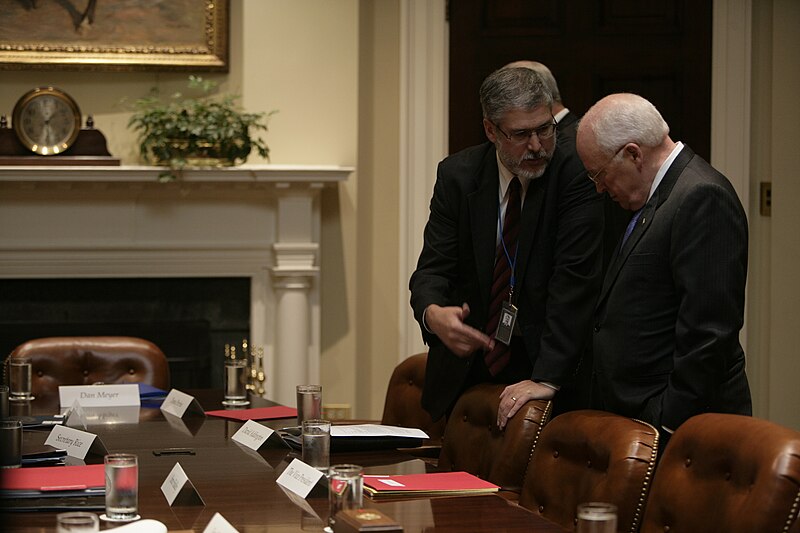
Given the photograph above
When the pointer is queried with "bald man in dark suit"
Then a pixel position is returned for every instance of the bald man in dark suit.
(666, 328)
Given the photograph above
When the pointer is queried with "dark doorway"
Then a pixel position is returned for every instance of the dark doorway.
(190, 319)
(660, 49)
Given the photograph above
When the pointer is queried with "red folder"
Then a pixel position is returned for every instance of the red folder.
(434, 484)
(53, 478)
(257, 413)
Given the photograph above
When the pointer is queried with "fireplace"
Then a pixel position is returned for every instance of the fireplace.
(245, 237)
(190, 319)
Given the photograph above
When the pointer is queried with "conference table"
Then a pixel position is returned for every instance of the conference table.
(240, 483)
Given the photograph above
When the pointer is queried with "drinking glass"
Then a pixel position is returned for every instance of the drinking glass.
(3, 401)
(235, 382)
(19, 369)
(122, 487)
(309, 402)
(77, 522)
(317, 443)
(346, 489)
(10, 443)
(597, 517)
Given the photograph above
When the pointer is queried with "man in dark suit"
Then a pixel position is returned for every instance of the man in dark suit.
(666, 327)
(551, 268)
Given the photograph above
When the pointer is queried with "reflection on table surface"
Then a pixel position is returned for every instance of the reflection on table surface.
(240, 483)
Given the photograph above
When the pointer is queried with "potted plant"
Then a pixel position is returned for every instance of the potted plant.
(203, 129)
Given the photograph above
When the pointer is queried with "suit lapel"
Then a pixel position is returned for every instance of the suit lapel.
(649, 213)
(483, 206)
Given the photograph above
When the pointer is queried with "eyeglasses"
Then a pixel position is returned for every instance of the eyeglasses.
(596, 176)
(544, 131)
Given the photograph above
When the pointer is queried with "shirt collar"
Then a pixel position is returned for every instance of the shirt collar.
(505, 179)
(561, 114)
(664, 167)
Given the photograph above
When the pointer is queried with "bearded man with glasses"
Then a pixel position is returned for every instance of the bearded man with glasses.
(511, 262)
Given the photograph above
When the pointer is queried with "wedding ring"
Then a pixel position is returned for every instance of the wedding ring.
(514, 399)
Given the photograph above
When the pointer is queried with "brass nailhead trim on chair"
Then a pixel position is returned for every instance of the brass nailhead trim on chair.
(794, 513)
(651, 466)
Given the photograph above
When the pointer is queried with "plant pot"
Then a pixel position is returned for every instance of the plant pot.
(197, 153)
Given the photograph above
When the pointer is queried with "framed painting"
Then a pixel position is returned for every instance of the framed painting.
(114, 35)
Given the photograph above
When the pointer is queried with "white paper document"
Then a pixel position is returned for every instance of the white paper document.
(377, 430)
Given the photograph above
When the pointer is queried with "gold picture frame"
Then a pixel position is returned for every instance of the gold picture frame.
(124, 35)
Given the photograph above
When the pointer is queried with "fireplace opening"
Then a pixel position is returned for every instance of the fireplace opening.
(190, 319)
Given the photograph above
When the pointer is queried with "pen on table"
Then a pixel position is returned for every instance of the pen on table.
(174, 451)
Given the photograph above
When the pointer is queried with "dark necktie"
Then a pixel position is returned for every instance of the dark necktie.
(498, 357)
(629, 229)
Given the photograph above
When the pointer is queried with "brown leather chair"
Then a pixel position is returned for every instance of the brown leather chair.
(589, 455)
(85, 360)
(728, 473)
(473, 443)
(403, 404)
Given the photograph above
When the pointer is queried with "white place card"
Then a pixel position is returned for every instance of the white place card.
(252, 434)
(218, 524)
(178, 490)
(179, 403)
(99, 395)
(77, 443)
(300, 478)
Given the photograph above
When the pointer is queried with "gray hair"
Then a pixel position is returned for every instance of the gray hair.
(512, 88)
(541, 69)
(630, 119)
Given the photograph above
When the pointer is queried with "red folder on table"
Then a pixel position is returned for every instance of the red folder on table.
(56, 480)
(427, 485)
(257, 413)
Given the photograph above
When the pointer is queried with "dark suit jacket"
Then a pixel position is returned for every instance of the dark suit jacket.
(558, 269)
(666, 336)
(568, 127)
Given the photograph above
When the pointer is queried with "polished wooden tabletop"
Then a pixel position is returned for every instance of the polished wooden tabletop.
(240, 483)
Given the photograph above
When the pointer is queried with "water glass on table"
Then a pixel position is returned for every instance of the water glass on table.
(4, 401)
(20, 377)
(597, 517)
(346, 489)
(122, 487)
(309, 402)
(77, 522)
(317, 443)
(10, 443)
(235, 382)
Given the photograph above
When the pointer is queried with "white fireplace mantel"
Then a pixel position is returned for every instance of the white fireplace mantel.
(256, 221)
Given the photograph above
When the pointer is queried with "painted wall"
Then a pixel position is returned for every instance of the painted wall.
(784, 162)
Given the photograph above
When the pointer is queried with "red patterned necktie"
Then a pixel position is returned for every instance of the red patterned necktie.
(498, 357)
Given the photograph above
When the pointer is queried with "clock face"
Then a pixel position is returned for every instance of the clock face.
(47, 120)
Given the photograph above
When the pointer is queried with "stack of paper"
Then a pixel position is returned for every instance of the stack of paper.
(427, 485)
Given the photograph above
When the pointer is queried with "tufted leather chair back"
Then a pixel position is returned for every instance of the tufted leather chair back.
(730, 473)
(403, 404)
(85, 360)
(588, 455)
(473, 443)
